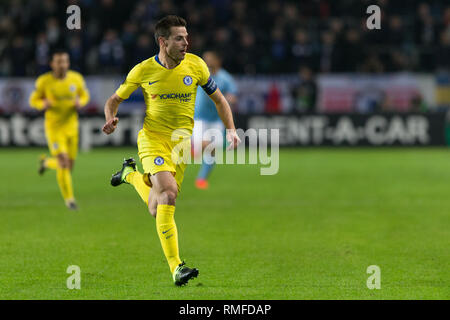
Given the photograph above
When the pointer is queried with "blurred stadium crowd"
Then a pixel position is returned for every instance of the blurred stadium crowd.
(253, 36)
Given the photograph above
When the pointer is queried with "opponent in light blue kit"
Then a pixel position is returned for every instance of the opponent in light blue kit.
(206, 116)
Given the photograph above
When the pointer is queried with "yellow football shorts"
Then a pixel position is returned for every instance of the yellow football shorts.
(62, 141)
(159, 153)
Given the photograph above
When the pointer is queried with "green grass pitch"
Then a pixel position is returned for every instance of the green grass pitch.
(309, 232)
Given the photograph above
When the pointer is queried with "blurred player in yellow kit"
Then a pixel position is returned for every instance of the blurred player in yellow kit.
(60, 93)
(169, 81)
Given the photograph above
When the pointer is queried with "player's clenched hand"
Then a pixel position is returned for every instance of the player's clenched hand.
(77, 103)
(46, 105)
(232, 139)
(110, 125)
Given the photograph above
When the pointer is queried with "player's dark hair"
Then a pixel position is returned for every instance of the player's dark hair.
(58, 51)
(162, 28)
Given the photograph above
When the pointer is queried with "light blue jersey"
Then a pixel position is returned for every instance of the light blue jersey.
(205, 109)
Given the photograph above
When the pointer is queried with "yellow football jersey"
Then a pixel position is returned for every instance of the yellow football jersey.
(61, 93)
(169, 94)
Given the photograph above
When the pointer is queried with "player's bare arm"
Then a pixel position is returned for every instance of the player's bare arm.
(39, 101)
(224, 111)
(45, 104)
(232, 99)
(77, 103)
(111, 108)
(82, 97)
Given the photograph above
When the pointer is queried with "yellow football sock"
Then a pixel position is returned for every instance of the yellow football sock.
(135, 178)
(51, 163)
(64, 178)
(168, 235)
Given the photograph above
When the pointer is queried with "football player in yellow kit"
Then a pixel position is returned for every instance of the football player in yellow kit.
(60, 93)
(169, 82)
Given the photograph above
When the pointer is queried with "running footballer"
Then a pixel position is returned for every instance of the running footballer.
(169, 81)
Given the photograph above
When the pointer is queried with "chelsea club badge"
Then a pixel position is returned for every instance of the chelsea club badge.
(159, 161)
(187, 80)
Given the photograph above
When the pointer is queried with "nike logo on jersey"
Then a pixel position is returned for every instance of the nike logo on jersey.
(150, 83)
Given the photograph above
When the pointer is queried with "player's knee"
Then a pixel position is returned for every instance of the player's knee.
(168, 196)
(171, 196)
(62, 163)
(66, 164)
